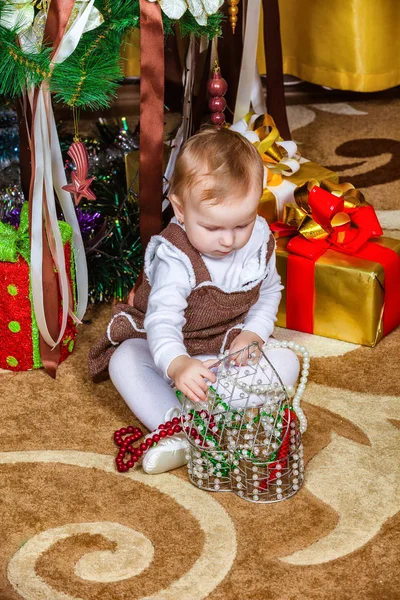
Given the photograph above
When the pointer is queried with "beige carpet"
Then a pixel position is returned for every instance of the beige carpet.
(72, 528)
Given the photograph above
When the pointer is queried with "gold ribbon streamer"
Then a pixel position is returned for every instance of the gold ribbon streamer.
(267, 145)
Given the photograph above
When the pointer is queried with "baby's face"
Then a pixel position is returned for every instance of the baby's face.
(218, 229)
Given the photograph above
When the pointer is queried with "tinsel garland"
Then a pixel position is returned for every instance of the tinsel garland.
(113, 248)
(11, 196)
(91, 75)
(9, 139)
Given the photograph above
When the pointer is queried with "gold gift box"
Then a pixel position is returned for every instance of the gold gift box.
(349, 294)
(271, 209)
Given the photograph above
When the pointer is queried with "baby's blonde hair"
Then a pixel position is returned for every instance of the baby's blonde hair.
(228, 160)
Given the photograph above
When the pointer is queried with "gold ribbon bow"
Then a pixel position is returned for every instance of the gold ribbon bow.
(279, 157)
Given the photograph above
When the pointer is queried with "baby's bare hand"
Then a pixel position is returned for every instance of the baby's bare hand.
(188, 375)
(244, 339)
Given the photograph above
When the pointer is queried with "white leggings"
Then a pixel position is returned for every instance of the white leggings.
(149, 395)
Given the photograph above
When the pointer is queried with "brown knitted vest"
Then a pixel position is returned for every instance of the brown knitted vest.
(209, 315)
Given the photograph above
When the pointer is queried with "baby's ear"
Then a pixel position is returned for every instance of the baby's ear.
(177, 205)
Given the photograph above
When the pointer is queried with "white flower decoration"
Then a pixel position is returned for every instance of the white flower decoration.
(21, 15)
(17, 14)
(200, 9)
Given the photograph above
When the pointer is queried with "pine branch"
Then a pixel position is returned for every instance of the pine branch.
(90, 76)
(91, 87)
(17, 67)
(189, 26)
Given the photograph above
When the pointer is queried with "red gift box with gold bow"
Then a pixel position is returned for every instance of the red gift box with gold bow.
(341, 276)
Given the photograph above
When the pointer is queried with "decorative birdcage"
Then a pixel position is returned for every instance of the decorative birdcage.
(246, 438)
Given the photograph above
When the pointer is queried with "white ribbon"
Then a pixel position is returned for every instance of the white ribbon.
(283, 192)
(249, 81)
(67, 206)
(43, 182)
(74, 32)
(257, 98)
(291, 160)
(49, 176)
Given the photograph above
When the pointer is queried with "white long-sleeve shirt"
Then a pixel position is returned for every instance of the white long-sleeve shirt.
(172, 279)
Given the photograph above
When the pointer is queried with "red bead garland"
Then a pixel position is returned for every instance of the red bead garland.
(282, 456)
(133, 434)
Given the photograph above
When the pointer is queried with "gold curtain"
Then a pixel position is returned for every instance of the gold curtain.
(130, 52)
(343, 44)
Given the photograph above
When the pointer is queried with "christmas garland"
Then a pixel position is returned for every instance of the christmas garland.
(90, 76)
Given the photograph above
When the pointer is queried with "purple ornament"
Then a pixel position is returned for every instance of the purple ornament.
(89, 222)
(13, 217)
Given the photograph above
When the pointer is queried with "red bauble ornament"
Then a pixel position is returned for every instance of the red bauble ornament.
(217, 86)
(217, 104)
(218, 118)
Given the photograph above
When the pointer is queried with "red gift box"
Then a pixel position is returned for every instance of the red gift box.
(19, 350)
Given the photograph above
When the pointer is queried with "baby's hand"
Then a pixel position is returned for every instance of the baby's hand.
(189, 375)
(244, 339)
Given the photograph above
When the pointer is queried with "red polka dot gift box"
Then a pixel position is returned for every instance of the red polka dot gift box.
(19, 334)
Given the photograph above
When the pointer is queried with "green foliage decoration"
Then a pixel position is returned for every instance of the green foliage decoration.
(17, 67)
(88, 79)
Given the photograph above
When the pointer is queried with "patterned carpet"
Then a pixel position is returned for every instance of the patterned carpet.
(71, 528)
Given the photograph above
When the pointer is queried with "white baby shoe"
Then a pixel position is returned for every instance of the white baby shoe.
(169, 453)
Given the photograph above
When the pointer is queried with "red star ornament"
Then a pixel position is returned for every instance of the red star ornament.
(80, 189)
(79, 186)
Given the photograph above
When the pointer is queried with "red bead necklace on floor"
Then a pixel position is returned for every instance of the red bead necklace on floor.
(133, 434)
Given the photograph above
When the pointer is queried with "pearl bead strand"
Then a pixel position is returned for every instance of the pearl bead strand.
(275, 388)
(297, 395)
